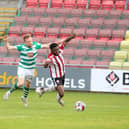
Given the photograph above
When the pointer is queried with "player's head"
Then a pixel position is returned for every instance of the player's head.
(28, 40)
(54, 49)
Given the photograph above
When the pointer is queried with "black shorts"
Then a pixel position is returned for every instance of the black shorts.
(59, 81)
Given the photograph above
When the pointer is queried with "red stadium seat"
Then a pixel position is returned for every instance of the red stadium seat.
(45, 21)
(115, 14)
(20, 20)
(3, 51)
(81, 4)
(36, 39)
(94, 4)
(43, 3)
(39, 11)
(69, 4)
(108, 5)
(94, 54)
(81, 53)
(33, 21)
(75, 61)
(53, 32)
(43, 52)
(65, 32)
(102, 64)
(110, 23)
(120, 5)
(111, 44)
(86, 43)
(31, 3)
(123, 24)
(51, 12)
(105, 34)
(76, 12)
(63, 12)
(26, 11)
(91, 34)
(89, 63)
(84, 23)
(99, 44)
(118, 35)
(125, 14)
(19, 40)
(102, 13)
(14, 31)
(56, 3)
(40, 32)
(69, 52)
(89, 13)
(27, 30)
(58, 22)
(74, 43)
(80, 33)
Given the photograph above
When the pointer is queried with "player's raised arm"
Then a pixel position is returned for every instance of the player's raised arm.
(66, 40)
(7, 44)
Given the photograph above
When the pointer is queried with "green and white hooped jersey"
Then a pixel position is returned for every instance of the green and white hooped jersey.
(28, 62)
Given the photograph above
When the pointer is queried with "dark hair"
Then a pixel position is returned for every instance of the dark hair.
(53, 45)
(26, 36)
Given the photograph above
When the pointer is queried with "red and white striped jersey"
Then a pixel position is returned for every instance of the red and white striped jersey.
(57, 67)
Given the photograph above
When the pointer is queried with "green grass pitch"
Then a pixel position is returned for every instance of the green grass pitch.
(104, 111)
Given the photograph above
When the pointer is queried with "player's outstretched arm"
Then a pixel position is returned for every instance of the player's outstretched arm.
(66, 40)
(7, 44)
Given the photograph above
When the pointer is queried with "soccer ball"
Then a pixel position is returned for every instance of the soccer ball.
(80, 106)
(38, 90)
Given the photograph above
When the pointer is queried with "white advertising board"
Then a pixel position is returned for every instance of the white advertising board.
(103, 80)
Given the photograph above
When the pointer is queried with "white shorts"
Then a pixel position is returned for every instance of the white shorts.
(27, 73)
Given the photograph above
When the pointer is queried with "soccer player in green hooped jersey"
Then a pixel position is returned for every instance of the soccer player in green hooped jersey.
(27, 64)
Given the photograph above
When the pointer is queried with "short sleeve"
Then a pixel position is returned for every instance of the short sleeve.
(38, 45)
(19, 47)
(62, 46)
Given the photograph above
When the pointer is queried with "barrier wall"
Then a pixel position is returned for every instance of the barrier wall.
(77, 79)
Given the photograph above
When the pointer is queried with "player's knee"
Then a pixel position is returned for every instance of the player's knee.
(61, 95)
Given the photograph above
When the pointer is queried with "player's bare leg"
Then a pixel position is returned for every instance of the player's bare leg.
(60, 95)
(18, 84)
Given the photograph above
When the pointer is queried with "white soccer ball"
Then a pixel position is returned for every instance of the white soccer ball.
(80, 106)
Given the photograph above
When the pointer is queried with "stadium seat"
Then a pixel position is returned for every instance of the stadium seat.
(76, 13)
(39, 11)
(36, 39)
(81, 53)
(118, 35)
(80, 33)
(102, 13)
(105, 34)
(14, 30)
(3, 51)
(81, 4)
(97, 23)
(40, 32)
(107, 55)
(13, 53)
(84, 23)
(93, 54)
(19, 40)
(123, 24)
(8, 60)
(27, 30)
(43, 3)
(86, 43)
(124, 46)
(99, 44)
(89, 63)
(115, 65)
(93, 4)
(53, 32)
(102, 64)
(74, 43)
(70, 4)
(120, 56)
(127, 35)
(125, 66)
(12, 40)
(113, 45)
(58, 22)
(107, 5)
(91, 34)
(120, 5)
(63, 12)
(31, 3)
(20, 20)
(69, 52)
(33, 21)
(89, 13)
(75, 62)
(56, 3)
(65, 32)
(110, 23)
(27, 11)
(45, 21)
(51, 12)
(43, 52)
(71, 22)
(115, 14)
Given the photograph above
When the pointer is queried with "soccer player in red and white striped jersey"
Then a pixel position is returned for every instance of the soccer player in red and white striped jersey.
(55, 62)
